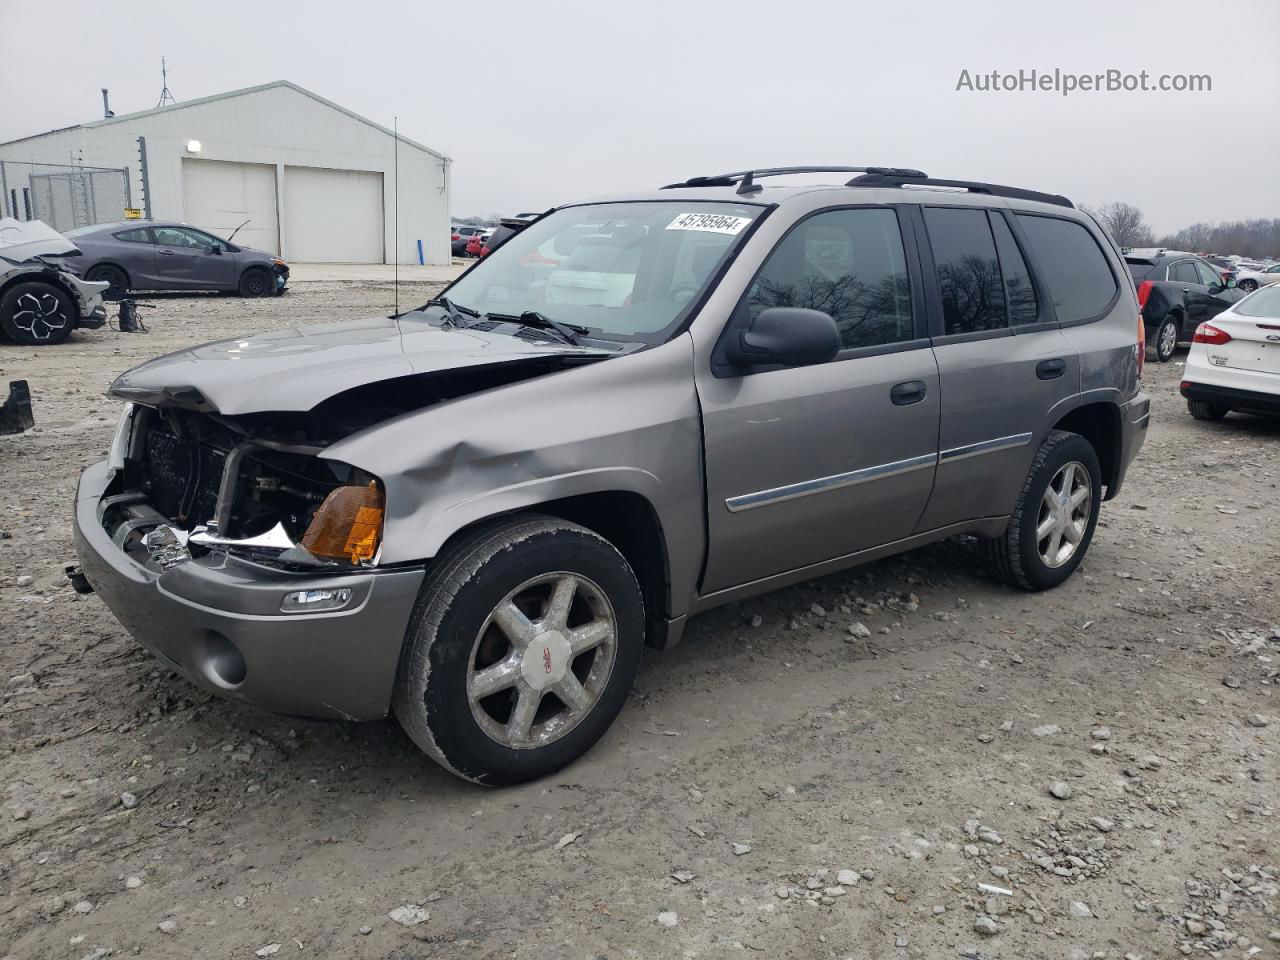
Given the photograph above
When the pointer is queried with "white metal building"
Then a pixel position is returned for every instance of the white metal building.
(316, 181)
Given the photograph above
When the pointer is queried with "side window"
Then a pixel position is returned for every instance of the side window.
(140, 235)
(182, 237)
(964, 254)
(1023, 306)
(1079, 280)
(1208, 275)
(849, 264)
(1184, 271)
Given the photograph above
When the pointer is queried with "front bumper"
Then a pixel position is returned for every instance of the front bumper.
(216, 620)
(1135, 417)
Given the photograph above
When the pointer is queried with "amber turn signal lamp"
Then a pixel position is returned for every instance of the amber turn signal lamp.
(348, 525)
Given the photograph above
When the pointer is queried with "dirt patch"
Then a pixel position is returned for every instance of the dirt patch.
(1087, 772)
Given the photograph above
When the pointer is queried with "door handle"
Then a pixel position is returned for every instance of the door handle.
(1185, 290)
(165, 253)
(1051, 369)
(912, 391)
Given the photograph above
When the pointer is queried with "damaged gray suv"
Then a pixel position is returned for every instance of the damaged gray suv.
(475, 514)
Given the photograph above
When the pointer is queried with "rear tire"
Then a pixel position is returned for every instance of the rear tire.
(1248, 286)
(1052, 525)
(37, 314)
(117, 278)
(256, 282)
(556, 674)
(1167, 339)
(1203, 410)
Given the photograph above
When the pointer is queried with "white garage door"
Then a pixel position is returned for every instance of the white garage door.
(332, 216)
(219, 196)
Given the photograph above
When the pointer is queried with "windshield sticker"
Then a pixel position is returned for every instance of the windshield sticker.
(709, 223)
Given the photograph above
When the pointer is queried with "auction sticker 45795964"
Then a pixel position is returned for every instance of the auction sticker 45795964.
(709, 223)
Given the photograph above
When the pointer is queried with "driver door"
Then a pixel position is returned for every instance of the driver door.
(188, 259)
(808, 464)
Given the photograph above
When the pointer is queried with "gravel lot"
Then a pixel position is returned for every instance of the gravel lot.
(1090, 772)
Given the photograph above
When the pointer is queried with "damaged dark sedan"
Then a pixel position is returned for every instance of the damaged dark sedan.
(477, 513)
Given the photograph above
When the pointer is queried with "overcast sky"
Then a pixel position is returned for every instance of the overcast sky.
(539, 103)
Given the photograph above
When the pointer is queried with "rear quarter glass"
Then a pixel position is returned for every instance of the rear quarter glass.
(1139, 271)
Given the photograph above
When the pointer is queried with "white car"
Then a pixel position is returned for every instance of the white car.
(1234, 363)
(1250, 280)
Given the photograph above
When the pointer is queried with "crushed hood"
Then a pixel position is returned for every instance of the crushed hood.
(298, 368)
(21, 241)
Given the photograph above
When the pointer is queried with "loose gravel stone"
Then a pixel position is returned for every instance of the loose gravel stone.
(1079, 910)
(986, 926)
(167, 926)
(1060, 789)
(668, 918)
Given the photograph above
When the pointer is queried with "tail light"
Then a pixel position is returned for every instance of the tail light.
(1208, 333)
(1142, 346)
(1144, 291)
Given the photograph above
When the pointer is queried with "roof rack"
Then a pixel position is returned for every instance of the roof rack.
(746, 179)
(899, 178)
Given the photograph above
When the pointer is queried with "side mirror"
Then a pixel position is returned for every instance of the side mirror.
(790, 336)
(215, 251)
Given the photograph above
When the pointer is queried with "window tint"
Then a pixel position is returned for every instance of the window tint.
(1140, 269)
(140, 235)
(184, 237)
(1184, 271)
(1208, 275)
(848, 263)
(1079, 281)
(969, 280)
(1023, 306)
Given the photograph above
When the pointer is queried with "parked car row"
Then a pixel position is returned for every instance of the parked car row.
(1176, 293)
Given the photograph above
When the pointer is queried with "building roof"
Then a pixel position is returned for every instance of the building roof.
(244, 91)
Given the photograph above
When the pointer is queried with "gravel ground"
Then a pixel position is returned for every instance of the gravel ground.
(1084, 773)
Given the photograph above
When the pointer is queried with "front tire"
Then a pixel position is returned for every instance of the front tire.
(1053, 523)
(521, 650)
(36, 314)
(256, 282)
(1203, 410)
(1167, 339)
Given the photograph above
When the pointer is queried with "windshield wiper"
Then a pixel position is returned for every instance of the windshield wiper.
(454, 310)
(569, 332)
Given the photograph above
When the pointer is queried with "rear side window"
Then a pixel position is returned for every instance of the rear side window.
(1184, 271)
(1018, 289)
(964, 254)
(1081, 284)
(1139, 269)
(849, 264)
(140, 235)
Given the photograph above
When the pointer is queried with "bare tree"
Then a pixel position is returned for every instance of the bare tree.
(1125, 223)
(1247, 238)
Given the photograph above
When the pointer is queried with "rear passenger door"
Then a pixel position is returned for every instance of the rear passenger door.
(1195, 293)
(1005, 369)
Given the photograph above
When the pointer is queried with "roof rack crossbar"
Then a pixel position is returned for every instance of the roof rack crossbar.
(746, 179)
(899, 179)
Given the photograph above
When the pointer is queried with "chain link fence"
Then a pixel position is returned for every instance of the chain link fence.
(62, 195)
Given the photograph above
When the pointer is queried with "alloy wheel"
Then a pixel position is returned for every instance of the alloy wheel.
(41, 315)
(1168, 339)
(542, 660)
(1064, 514)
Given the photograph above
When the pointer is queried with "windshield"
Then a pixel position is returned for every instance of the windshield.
(619, 269)
(1264, 303)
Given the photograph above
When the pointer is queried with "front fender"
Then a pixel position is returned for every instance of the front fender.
(629, 424)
